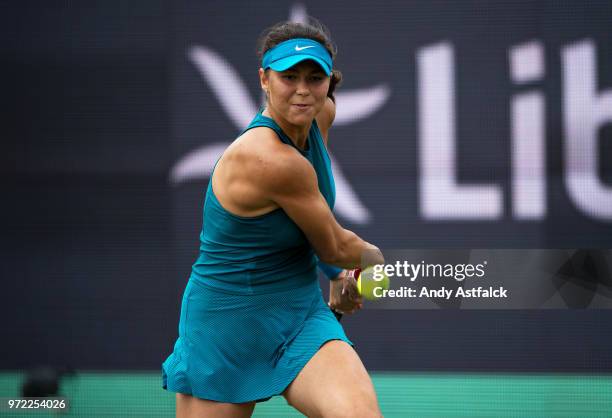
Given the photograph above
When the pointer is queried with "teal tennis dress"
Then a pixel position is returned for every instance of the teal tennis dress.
(252, 314)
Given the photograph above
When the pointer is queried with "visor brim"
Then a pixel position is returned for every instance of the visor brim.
(288, 62)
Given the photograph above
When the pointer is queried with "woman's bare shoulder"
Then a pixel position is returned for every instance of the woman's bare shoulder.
(260, 153)
(252, 169)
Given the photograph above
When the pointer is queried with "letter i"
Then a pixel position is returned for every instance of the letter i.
(528, 133)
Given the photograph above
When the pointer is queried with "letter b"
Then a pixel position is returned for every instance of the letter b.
(585, 112)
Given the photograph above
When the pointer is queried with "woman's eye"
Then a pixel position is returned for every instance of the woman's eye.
(289, 77)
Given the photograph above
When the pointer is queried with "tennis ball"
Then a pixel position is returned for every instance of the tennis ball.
(369, 280)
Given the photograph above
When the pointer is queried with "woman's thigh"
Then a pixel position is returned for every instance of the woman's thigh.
(188, 406)
(334, 383)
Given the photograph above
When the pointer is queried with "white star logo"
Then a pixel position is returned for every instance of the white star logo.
(233, 96)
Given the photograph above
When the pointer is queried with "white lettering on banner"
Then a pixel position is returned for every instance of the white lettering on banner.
(584, 113)
(528, 135)
(441, 197)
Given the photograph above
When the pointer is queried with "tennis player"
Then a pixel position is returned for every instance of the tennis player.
(253, 320)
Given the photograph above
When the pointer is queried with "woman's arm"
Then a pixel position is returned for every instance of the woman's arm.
(326, 117)
(290, 181)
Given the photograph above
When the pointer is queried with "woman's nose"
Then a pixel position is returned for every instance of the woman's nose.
(302, 87)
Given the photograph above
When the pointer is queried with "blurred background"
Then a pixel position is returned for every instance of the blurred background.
(472, 124)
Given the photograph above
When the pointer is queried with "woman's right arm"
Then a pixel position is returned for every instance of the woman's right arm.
(290, 181)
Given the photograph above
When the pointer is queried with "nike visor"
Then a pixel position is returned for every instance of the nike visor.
(286, 54)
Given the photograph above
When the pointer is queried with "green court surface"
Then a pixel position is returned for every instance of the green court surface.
(120, 395)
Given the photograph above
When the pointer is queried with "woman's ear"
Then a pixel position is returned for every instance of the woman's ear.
(334, 81)
(263, 80)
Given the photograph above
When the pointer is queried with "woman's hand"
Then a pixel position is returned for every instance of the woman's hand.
(343, 294)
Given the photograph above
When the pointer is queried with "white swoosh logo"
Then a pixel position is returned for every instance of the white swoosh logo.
(297, 48)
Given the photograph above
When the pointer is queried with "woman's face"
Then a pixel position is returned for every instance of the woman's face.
(297, 94)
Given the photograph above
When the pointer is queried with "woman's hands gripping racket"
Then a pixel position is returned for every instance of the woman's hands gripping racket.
(344, 297)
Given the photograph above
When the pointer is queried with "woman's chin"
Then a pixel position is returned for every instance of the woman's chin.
(302, 117)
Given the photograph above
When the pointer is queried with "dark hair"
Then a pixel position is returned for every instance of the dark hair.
(314, 30)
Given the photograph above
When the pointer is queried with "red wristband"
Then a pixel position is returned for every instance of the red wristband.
(354, 273)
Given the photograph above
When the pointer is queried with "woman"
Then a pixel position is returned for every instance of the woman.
(253, 321)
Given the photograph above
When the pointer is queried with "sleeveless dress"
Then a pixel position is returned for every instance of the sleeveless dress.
(252, 313)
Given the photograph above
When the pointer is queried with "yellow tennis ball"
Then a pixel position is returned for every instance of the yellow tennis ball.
(368, 282)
